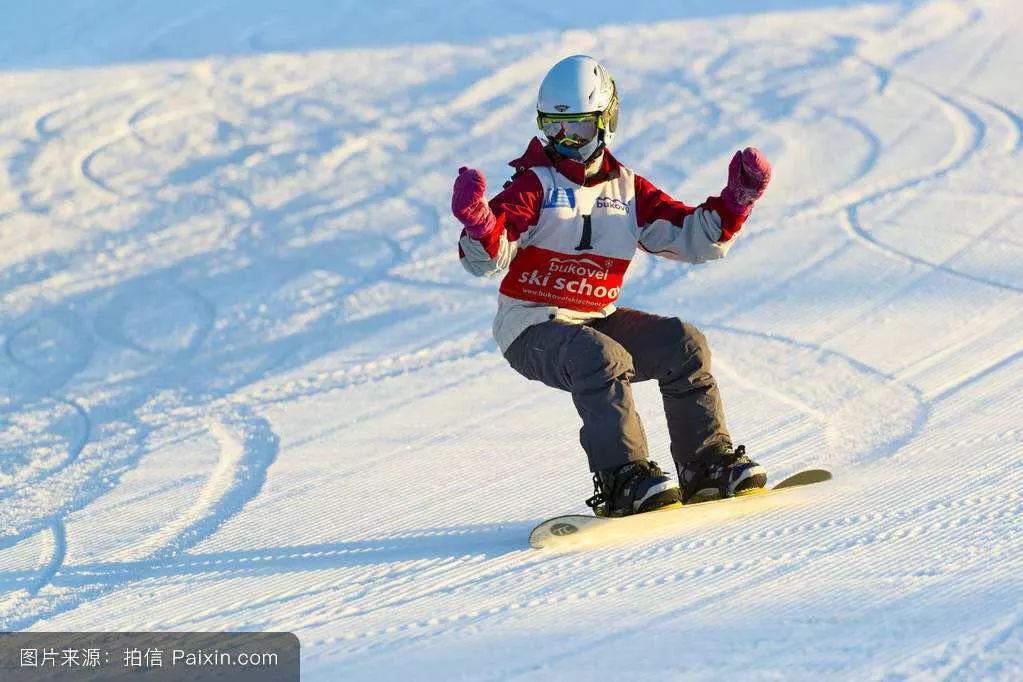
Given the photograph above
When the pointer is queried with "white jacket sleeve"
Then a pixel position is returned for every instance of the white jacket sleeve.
(477, 261)
(697, 241)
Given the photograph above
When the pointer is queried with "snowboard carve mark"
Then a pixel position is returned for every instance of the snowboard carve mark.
(574, 530)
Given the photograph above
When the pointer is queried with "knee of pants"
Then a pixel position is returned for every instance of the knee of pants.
(595, 362)
(695, 350)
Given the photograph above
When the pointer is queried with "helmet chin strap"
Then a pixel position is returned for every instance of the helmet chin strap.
(594, 164)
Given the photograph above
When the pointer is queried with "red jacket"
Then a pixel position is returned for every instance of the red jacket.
(555, 265)
(517, 206)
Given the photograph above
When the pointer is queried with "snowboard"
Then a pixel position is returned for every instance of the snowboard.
(575, 530)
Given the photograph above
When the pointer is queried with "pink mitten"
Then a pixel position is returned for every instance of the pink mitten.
(468, 204)
(748, 175)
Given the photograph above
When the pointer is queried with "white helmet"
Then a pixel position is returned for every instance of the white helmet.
(577, 107)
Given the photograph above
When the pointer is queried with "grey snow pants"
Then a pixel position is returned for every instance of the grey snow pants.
(598, 361)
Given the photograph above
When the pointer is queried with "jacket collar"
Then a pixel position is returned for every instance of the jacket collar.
(536, 155)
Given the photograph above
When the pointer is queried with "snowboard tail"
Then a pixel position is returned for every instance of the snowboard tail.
(576, 529)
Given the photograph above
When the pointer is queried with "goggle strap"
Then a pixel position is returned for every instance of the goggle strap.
(567, 117)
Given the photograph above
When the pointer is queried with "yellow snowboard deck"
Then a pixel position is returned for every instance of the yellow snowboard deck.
(581, 530)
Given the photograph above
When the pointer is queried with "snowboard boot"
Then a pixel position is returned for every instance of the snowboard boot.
(632, 488)
(720, 473)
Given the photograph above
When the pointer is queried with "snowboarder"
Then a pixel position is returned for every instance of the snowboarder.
(563, 231)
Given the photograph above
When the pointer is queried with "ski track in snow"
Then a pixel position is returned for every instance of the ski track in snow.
(245, 380)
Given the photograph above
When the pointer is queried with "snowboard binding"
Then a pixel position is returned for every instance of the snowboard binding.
(632, 488)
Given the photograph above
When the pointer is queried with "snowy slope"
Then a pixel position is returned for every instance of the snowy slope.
(245, 383)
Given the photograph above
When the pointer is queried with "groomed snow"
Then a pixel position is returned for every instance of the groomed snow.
(245, 384)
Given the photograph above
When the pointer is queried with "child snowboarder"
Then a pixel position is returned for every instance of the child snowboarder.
(564, 230)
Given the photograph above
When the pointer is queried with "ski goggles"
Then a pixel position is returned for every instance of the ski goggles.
(570, 130)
